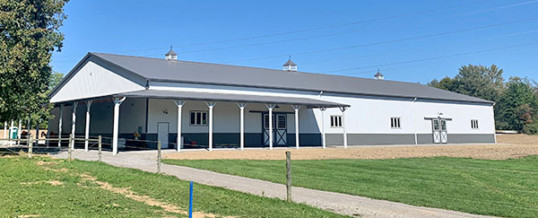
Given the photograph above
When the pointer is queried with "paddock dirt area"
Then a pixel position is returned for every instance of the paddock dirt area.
(508, 146)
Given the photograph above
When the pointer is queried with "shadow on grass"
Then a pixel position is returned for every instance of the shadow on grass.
(5, 151)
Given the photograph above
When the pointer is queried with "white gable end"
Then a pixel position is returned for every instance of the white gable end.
(95, 79)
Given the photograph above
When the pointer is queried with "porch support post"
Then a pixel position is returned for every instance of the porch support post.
(270, 107)
(296, 108)
(211, 105)
(117, 103)
(5, 129)
(242, 125)
(60, 121)
(323, 143)
(87, 129)
(73, 123)
(343, 109)
(179, 104)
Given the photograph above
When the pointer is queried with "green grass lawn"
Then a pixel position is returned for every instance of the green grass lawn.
(493, 187)
(24, 191)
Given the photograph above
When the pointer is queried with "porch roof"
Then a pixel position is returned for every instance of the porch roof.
(205, 96)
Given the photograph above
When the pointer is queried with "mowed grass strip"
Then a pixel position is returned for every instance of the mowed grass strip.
(55, 188)
(506, 188)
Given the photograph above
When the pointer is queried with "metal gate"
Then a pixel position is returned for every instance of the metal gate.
(280, 130)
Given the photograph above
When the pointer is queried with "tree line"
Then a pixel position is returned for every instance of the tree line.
(516, 100)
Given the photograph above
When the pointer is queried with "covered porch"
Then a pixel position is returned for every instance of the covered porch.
(187, 120)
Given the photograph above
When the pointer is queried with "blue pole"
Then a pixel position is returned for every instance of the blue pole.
(190, 202)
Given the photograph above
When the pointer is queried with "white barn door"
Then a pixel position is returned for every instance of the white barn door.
(444, 134)
(439, 131)
(162, 133)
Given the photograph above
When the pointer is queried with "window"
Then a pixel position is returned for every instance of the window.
(198, 118)
(443, 125)
(436, 126)
(395, 123)
(281, 121)
(474, 124)
(336, 121)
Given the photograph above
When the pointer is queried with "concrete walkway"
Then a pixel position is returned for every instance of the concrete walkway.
(339, 203)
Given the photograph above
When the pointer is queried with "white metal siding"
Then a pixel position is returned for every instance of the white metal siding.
(366, 115)
(372, 115)
(94, 80)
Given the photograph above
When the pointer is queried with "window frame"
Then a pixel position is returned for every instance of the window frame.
(198, 116)
(474, 124)
(395, 122)
(282, 117)
(336, 121)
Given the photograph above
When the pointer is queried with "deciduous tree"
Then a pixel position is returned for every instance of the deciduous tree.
(29, 33)
(518, 107)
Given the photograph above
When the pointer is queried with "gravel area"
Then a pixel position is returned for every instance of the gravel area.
(509, 146)
(339, 203)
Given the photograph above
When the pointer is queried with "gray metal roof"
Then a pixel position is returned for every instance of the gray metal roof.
(229, 97)
(155, 69)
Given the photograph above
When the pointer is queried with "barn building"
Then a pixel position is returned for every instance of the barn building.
(215, 106)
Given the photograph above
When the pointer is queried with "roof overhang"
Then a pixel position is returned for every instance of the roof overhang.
(206, 96)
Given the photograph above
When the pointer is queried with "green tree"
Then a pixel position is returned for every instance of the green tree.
(479, 81)
(29, 33)
(446, 83)
(518, 107)
(55, 79)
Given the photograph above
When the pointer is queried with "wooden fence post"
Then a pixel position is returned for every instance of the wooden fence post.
(288, 176)
(159, 156)
(69, 150)
(99, 146)
(30, 146)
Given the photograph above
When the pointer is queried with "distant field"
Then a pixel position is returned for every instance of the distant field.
(507, 188)
(44, 187)
(509, 146)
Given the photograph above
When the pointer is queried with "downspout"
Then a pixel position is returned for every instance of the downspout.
(321, 110)
(147, 111)
(415, 121)
(494, 130)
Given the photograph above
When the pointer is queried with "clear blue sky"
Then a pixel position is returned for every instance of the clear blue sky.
(414, 41)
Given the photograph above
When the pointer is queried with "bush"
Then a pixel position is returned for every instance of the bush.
(531, 128)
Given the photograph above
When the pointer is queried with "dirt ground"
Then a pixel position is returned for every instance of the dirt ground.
(42, 133)
(508, 146)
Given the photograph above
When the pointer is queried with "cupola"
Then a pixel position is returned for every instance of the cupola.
(171, 55)
(379, 76)
(290, 65)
